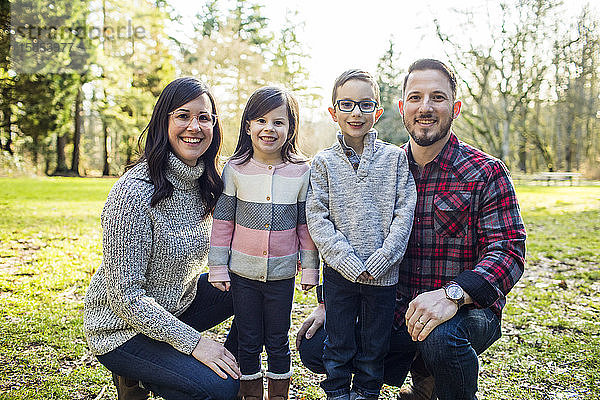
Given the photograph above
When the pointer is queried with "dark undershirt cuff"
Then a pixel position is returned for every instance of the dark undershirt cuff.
(481, 291)
(319, 291)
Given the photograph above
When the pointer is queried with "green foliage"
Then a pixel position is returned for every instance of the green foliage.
(390, 79)
(50, 245)
(121, 69)
(235, 52)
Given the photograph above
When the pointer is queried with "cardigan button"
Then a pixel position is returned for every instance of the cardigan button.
(270, 167)
(268, 198)
(264, 253)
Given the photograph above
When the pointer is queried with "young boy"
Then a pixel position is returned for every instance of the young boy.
(360, 205)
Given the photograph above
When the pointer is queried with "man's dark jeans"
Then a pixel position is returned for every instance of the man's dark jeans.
(362, 350)
(170, 373)
(263, 317)
(449, 352)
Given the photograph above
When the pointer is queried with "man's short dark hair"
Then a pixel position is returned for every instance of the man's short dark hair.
(430, 63)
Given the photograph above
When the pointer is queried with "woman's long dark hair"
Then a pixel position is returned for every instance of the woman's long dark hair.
(157, 147)
(260, 103)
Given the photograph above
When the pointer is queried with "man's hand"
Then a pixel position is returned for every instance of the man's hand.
(427, 311)
(222, 286)
(216, 357)
(315, 320)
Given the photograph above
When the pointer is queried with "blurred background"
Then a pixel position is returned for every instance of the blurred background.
(79, 78)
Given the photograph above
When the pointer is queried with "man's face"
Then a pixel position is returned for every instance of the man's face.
(428, 107)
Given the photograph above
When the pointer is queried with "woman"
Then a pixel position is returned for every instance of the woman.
(147, 303)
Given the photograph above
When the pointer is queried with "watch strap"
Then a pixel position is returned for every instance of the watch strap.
(460, 301)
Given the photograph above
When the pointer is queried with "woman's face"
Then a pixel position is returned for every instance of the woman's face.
(191, 129)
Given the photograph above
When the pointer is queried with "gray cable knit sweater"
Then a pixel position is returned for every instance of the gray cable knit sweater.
(361, 220)
(152, 257)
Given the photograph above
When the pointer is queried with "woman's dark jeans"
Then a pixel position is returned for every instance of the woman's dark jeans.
(263, 317)
(449, 352)
(170, 373)
(359, 322)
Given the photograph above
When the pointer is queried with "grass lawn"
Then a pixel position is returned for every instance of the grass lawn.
(50, 245)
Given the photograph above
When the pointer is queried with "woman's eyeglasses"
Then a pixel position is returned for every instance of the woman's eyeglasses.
(183, 119)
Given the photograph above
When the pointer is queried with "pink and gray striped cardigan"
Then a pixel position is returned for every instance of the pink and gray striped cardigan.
(259, 224)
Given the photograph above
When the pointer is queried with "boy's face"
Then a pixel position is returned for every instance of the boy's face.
(355, 124)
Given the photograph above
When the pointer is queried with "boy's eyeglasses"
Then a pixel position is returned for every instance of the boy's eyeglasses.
(183, 119)
(366, 106)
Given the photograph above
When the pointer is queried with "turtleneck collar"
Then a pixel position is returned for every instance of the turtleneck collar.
(182, 175)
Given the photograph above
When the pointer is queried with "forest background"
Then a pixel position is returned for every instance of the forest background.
(78, 79)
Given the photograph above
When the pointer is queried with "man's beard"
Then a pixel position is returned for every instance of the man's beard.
(423, 139)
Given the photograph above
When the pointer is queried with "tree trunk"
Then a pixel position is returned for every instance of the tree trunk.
(524, 140)
(77, 133)
(523, 156)
(506, 141)
(7, 144)
(61, 158)
(106, 167)
(569, 155)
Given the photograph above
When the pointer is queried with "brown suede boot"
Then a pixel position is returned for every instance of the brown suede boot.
(129, 389)
(423, 384)
(279, 389)
(422, 388)
(251, 390)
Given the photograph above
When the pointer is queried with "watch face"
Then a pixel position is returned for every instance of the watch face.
(454, 292)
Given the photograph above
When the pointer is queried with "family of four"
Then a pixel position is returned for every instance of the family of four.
(419, 246)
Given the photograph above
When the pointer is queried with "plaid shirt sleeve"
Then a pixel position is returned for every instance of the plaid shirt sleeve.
(501, 242)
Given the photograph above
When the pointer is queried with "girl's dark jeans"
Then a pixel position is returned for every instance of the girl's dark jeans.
(263, 317)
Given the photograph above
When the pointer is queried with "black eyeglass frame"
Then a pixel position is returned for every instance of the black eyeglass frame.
(359, 104)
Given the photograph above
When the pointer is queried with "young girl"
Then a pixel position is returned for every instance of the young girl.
(259, 236)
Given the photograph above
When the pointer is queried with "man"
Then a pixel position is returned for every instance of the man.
(465, 253)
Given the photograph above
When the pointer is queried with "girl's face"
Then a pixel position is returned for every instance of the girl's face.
(191, 129)
(268, 134)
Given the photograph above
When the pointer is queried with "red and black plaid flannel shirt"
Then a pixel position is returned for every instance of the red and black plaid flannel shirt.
(467, 228)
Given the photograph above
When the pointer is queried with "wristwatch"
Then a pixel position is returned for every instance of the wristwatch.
(455, 293)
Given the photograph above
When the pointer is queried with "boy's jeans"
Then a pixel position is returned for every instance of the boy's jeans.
(170, 373)
(263, 317)
(362, 350)
(450, 352)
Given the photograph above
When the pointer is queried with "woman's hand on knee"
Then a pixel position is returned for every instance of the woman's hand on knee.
(222, 286)
(216, 357)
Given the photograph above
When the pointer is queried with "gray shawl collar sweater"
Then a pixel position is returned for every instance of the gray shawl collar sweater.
(361, 220)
